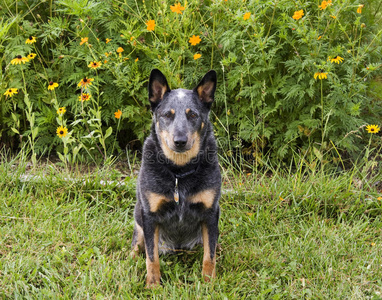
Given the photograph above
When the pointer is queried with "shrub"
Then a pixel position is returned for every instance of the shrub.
(294, 76)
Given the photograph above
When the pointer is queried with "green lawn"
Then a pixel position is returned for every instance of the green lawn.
(303, 234)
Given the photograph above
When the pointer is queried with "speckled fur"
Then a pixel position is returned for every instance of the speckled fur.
(178, 115)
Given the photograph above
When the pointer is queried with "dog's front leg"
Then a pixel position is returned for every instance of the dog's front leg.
(151, 234)
(210, 232)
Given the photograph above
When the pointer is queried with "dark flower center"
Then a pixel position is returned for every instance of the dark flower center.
(10, 90)
(371, 129)
(51, 83)
(31, 37)
(85, 80)
(321, 71)
(19, 56)
(61, 132)
(335, 57)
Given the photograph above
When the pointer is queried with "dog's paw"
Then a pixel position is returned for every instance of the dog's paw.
(152, 282)
(134, 254)
(208, 271)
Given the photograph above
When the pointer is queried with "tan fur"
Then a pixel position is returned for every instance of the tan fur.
(208, 271)
(153, 271)
(156, 201)
(202, 125)
(172, 111)
(159, 91)
(205, 90)
(206, 197)
(140, 245)
(187, 110)
(180, 159)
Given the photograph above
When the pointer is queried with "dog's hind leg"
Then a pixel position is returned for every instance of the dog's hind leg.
(138, 243)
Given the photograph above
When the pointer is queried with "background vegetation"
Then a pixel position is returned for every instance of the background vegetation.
(302, 194)
(268, 103)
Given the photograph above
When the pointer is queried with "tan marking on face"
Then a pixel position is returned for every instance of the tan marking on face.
(183, 158)
(208, 271)
(140, 242)
(188, 110)
(206, 197)
(172, 111)
(153, 271)
(202, 125)
(156, 200)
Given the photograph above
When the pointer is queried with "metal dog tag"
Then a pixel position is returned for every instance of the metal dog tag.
(176, 192)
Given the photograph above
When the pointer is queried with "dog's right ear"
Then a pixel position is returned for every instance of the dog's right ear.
(158, 86)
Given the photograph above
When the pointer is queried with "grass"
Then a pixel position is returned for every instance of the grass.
(301, 234)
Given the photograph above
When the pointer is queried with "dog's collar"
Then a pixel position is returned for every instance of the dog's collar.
(185, 174)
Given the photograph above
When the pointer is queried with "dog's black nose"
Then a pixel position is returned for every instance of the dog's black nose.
(180, 141)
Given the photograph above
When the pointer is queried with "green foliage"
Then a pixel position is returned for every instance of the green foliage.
(268, 99)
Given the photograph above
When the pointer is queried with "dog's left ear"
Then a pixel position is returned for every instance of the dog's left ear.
(158, 86)
(206, 88)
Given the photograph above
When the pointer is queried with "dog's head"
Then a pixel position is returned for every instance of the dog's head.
(180, 116)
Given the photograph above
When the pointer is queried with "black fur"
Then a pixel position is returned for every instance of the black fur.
(180, 126)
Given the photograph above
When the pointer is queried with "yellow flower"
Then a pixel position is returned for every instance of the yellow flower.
(321, 75)
(359, 9)
(325, 4)
(372, 128)
(246, 16)
(85, 82)
(84, 97)
(84, 40)
(136, 59)
(177, 8)
(10, 92)
(31, 56)
(150, 25)
(337, 59)
(108, 40)
(197, 56)
(194, 40)
(52, 85)
(120, 50)
(118, 114)
(61, 110)
(62, 131)
(94, 65)
(319, 38)
(298, 14)
(31, 40)
(18, 60)
(334, 17)
(379, 198)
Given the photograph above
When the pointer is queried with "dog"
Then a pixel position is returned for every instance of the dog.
(179, 182)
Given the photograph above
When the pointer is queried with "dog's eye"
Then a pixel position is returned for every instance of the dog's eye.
(192, 115)
(168, 115)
